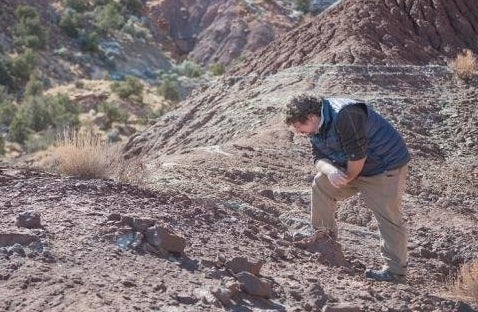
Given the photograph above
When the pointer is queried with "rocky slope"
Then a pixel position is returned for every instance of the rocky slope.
(229, 185)
(171, 31)
(220, 31)
(386, 32)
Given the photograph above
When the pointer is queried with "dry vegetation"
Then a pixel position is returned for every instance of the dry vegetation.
(464, 65)
(84, 154)
(466, 283)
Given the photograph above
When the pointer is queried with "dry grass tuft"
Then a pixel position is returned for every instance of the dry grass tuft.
(464, 65)
(82, 154)
(466, 283)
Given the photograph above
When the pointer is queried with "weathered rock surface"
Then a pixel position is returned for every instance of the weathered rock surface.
(368, 32)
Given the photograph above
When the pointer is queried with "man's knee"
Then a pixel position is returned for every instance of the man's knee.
(320, 180)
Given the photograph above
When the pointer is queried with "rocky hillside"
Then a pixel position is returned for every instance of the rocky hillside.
(85, 47)
(380, 33)
(149, 38)
(226, 189)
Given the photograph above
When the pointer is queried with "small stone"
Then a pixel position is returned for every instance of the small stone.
(161, 237)
(340, 308)
(242, 264)
(254, 285)
(224, 295)
(29, 220)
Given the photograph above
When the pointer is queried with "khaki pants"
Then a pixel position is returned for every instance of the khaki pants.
(383, 195)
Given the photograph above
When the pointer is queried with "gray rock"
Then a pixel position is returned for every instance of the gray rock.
(161, 237)
(29, 220)
(224, 295)
(254, 285)
(341, 308)
(10, 239)
(242, 264)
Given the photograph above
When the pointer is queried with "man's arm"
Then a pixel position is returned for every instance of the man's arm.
(354, 167)
(351, 127)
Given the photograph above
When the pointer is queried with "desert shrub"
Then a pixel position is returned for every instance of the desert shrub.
(40, 141)
(70, 23)
(109, 18)
(38, 113)
(34, 87)
(113, 113)
(302, 5)
(77, 5)
(466, 283)
(82, 154)
(169, 89)
(89, 42)
(189, 69)
(29, 30)
(101, 2)
(135, 31)
(7, 108)
(154, 114)
(464, 65)
(2, 145)
(131, 87)
(23, 65)
(132, 6)
(85, 155)
(18, 130)
(79, 84)
(217, 69)
(5, 77)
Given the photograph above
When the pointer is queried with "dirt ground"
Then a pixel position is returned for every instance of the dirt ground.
(228, 188)
(225, 190)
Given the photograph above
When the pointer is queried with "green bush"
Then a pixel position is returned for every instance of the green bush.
(132, 6)
(135, 31)
(26, 12)
(169, 89)
(101, 2)
(217, 69)
(7, 108)
(23, 65)
(29, 30)
(38, 113)
(77, 5)
(40, 141)
(2, 145)
(189, 69)
(302, 5)
(113, 113)
(131, 87)
(34, 87)
(5, 77)
(18, 130)
(109, 18)
(89, 42)
(70, 23)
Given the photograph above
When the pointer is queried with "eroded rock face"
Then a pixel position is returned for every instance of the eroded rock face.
(369, 32)
(218, 31)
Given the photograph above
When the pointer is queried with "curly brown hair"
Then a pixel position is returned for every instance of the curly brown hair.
(300, 107)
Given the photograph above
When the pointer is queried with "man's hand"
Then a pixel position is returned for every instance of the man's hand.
(337, 178)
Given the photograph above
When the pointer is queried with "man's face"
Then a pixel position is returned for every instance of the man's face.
(308, 127)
